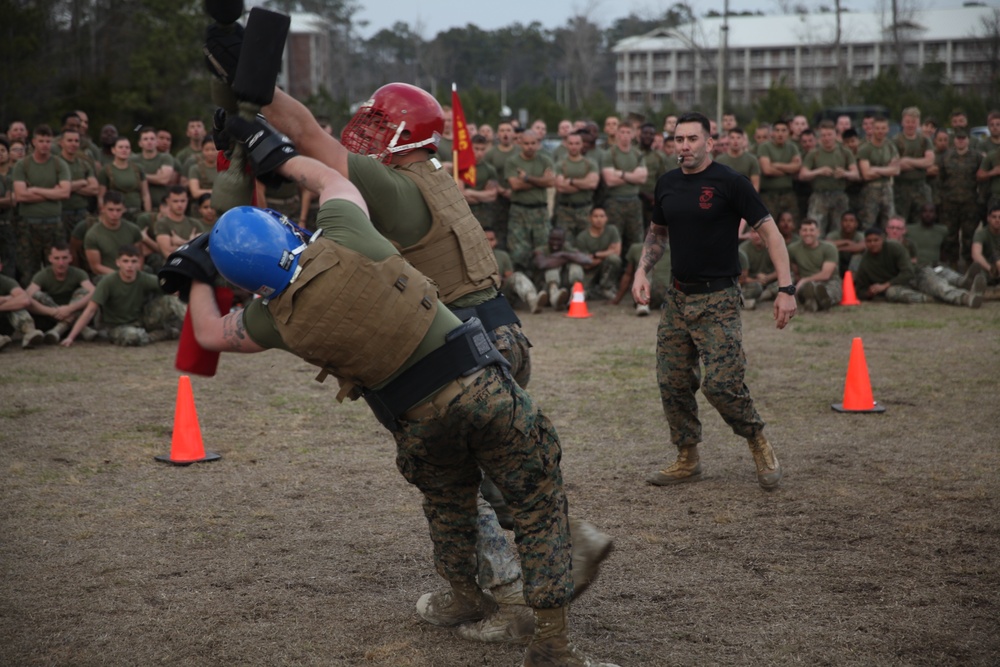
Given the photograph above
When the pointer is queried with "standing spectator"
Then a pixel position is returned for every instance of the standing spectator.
(41, 185)
(87, 145)
(8, 237)
(107, 138)
(803, 189)
(164, 143)
(623, 169)
(761, 135)
(843, 124)
(529, 173)
(960, 209)
(611, 124)
(941, 141)
(497, 156)
(738, 159)
(196, 134)
(991, 141)
(796, 127)
(878, 162)
(656, 165)
(121, 175)
(482, 196)
(829, 167)
(201, 175)
(916, 155)
(157, 166)
(17, 130)
(779, 162)
(577, 177)
(602, 243)
(83, 180)
(669, 125)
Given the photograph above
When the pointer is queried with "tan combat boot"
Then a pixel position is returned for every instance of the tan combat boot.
(550, 647)
(590, 548)
(464, 603)
(768, 468)
(511, 621)
(687, 468)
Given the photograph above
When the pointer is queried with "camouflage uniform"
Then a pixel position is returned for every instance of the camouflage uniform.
(960, 210)
(161, 320)
(622, 204)
(877, 203)
(572, 210)
(910, 189)
(703, 327)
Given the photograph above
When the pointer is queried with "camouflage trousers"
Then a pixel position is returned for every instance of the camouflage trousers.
(657, 293)
(625, 213)
(705, 328)
(961, 218)
(876, 205)
(45, 322)
(573, 220)
(527, 228)
(497, 554)
(603, 277)
(826, 208)
(519, 289)
(901, 294)
(161, 320)
(760, 292)
(493, 425)
(14, 322)
(779, 201)
(8, 249)
(515, 347)
(930, 282)
(71, 218)
(909, 197)
(566, 275)
(35, 237)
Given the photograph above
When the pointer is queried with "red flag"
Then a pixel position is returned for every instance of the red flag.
(463, 156)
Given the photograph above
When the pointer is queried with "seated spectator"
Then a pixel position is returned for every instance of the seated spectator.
(560, 267)
(15, 319)
(173, 229)
(207, 214)
(788, 227)
(133, 309)
(153, 259)
(986, 245)
(515, 285)
(814, 263)
(659, 280)
(849, 241)
(760, 280)
(157, 165)
(58, 293)
(122, 175)
(604, 245)
(104, 239)
(929, 237)
(886, 272)
(895, 230)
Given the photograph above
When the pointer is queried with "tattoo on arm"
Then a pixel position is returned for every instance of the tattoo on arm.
(760, 222)
(234, 332)
(652, 248)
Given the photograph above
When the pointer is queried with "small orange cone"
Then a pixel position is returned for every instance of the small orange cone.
(850, 298)
(578, 303)
(186, 446)
(858, 388)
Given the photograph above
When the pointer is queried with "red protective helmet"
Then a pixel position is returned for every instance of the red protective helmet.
(396, 120)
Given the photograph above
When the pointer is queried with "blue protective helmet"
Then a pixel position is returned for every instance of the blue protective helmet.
(257, 249)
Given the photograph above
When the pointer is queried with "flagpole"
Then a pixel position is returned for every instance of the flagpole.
(454, 144)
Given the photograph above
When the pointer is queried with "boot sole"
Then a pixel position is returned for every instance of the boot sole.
(582, 588)
(662, 480)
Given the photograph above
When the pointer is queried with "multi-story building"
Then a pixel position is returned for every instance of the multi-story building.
(306, 65)
(679, 64)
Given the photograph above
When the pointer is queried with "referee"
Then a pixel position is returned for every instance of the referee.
(701, 205)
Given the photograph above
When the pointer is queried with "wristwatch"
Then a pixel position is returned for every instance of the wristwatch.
(788, 289)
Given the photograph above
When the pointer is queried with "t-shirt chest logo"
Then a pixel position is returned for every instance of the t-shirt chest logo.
(705, 200)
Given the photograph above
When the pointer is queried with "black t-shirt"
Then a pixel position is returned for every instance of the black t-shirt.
(702, 212)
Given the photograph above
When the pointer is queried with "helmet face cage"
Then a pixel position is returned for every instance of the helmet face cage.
(399, 118)
(371, 133)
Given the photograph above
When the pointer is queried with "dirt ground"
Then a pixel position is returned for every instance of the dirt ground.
(304, 545)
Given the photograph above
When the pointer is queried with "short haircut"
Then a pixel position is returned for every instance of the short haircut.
(847, 213)
(128, 250)
(826, 125)
(146, 128)
(177, 190)
(209, 139)
(69, 114)
(881, 119)
(780, 121)
(912, 111)
(874, 231)
(645, 125)
(205, 196)
(993, 209)
(42, 130)
(737, 130)
(479, 140)
(60, 246)
(993, 115)
(808, 221)
(114, 197)
(695, 117)
(849, 133)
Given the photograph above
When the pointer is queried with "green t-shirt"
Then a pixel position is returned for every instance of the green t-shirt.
(498, 158)
(6, 186)
(745, 164)
(108, 241)
(205, 173)
(589, 244)
(619, 160)
(992, 159)
(484, 174)
(127, 181)
(759, 259)
(838, 157)
(777, 155)
(79, 168)
(576, 169)
(656, 165)
(48, 174)
(7, 285)
(892, 265)
(536, 166)
(661, 270)
(990, 242)
(151, 166)
(878, 156)
(810, 260)
(61, 291)
(122, 302)
(344, 223)
(928, 241)
(916, 147)
(183, 227)
(504, 263)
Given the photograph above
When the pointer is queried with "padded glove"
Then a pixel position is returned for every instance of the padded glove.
(222, 50)
(189, 262)
(267, 148)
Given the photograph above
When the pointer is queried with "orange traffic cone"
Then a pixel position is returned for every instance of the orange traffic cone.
(186, 446)
(858, 388)
(578, 303)
(850, 298)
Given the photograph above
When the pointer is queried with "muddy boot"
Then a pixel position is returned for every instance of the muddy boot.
(512, 621)
(4, 341)
(32, 339)
(768, 468)
(550, 647)
(590, 548)
(974, 297)
(687, 468)
(464, 603)
(55, 334)
(971, 274)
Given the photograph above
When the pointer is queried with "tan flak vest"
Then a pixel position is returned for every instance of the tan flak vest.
(358, 319)
(455, 253)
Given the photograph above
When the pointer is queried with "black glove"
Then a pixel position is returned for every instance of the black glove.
(223, 140)
(189, 262)
(267, 148)
(222, 50)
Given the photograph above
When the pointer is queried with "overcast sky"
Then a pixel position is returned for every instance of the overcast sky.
(429, 17)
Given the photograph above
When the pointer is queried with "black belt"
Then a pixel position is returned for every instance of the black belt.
(577, 205)
(624, 197)
(514, 203)
(703, 286)
(467, 349)
(494, 313)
